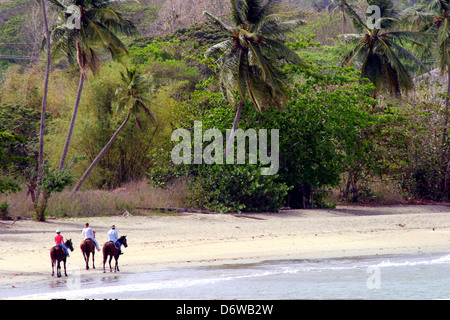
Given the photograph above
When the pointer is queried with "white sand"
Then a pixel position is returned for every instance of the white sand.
(203, 239)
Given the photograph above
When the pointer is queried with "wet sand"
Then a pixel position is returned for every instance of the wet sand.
(161, 241)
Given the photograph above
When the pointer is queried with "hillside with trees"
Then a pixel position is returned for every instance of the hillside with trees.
(87, 113)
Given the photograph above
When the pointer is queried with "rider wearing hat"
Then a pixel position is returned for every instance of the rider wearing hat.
(59, 240)
(113, 236)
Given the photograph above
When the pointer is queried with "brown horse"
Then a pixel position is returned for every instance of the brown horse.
(111, 250)
(87, 247)
(57, 254)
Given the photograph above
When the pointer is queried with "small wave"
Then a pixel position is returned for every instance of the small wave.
(388, 263)
(146, 286)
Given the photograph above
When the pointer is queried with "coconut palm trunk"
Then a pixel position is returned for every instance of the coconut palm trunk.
(97, 28)
(235, 126)
(130, 97)
(72, 122)
(100, 155)
(44, 98)
(40, 208)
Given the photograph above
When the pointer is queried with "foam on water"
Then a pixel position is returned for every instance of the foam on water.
(402, 277)
(388, 263)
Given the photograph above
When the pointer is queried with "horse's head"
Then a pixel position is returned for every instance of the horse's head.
(69, 244)
(123, 241)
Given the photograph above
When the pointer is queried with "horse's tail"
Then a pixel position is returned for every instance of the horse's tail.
(105, 252)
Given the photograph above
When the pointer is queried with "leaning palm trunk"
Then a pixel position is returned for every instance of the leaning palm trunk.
(235, 125)
(100, 155)
(72, 122)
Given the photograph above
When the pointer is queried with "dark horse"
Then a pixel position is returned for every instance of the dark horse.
(58, 254)
(111, 250)
(87, 247)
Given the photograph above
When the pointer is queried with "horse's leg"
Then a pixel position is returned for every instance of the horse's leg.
(110, 268)
(65, 270)
(87, 259)
(58, 269)
(53, 267)
(93, 263)
(117, 263)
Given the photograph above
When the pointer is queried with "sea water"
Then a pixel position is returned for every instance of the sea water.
(421, 276)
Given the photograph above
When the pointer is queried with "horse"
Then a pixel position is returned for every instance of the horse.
(87, 247)
(110, 249)
(58, 254)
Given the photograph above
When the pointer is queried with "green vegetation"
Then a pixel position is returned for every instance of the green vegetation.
(354, 111)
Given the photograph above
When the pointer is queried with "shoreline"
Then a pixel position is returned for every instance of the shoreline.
(166, 241)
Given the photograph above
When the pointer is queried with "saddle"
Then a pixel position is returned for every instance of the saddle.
(114, 244)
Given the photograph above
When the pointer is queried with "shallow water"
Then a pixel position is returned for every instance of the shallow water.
(422, 276)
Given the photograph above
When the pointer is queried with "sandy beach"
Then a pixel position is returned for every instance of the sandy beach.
(161, 241)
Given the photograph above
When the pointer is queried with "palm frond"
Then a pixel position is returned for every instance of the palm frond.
(272, 28)
(220, 47)
(217, 22)
(356, 56)
(112, 20)
(355, 17)
(269, 7)
(281, 51)
(405, 81)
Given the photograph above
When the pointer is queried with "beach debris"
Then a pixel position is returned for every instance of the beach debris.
(126, 214)
(17, 219)
(401, 225)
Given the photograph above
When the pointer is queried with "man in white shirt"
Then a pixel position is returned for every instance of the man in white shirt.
(88, 233)
(113, 236)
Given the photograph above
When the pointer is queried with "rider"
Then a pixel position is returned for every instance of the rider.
(113, 236)
(88, 233)
(59, 240)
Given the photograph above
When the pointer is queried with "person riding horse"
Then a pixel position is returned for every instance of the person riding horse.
(58, 253)
(111, 250)
(88, 233)
(59, 240)
(113, 236)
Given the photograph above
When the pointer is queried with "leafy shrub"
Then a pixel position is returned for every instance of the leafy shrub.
(4, 210)
(238, 188)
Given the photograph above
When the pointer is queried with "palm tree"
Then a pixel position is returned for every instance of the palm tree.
(44, 97)
(43, 111)
(130, 97)
(378, 50)
(248, 60)
(338, 6)
(98, 23)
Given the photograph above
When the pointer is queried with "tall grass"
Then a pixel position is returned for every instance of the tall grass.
(102, 202)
